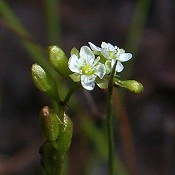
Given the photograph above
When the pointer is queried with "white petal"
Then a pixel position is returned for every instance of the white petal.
(120, 51)
(73, 63)
(104, 45)
(116, 47)
(105, 53)
(108, 46)
(100, 70)
(96, 61)
(87, 55)
(111, 47)
(88, 82)
(125, 57)
(119, 67)
(94, 47)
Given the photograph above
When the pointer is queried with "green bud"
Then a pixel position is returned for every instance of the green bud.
(131, 85)
(49, 123)
(59, 61)
(74, 51)
(65, 136)
(44, 81)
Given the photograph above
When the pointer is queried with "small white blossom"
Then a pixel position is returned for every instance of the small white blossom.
(112, 54)
(86, 68)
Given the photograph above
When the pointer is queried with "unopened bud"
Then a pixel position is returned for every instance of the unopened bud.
(44, 81)
(131, 85)
(74, 51)
(59, 61)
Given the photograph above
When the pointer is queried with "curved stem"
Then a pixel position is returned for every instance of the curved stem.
(109, 123)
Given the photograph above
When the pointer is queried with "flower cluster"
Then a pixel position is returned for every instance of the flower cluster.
(91, 64)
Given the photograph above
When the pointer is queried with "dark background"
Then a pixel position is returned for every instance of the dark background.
(151, 114)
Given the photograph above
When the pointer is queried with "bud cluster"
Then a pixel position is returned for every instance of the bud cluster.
(89, 66)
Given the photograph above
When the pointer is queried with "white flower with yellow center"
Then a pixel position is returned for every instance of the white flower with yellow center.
(86, 68)
(112, 54)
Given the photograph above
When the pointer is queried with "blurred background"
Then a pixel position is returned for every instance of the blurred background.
(144, 123)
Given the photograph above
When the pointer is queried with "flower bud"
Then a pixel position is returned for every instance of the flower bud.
(59, 61)
(44, 81)
(74, 51)
(65, 136)
(131, 85)
(49, 123)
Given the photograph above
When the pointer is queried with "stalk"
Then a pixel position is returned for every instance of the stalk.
(109, 123)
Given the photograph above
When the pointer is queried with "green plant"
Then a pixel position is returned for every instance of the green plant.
(87, 67)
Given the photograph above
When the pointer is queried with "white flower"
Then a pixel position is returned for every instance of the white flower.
(112, 54)
(104, 46)
(86, 68)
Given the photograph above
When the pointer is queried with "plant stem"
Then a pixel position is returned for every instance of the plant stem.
(61, 105)
(109, 123)
(110, 131)
(74, 86)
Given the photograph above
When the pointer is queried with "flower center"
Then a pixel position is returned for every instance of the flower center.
(87, 69)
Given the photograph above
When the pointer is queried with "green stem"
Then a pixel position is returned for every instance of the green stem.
(109, 123)
(74, 86)
(61, 105)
